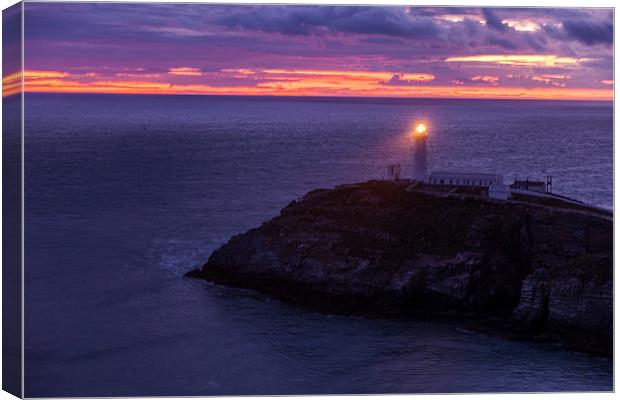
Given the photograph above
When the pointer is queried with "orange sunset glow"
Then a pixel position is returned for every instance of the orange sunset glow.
(282, 82)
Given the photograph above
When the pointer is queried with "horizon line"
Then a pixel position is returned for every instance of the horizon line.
(278, 96)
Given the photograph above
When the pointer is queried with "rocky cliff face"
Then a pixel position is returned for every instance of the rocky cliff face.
(379, 248)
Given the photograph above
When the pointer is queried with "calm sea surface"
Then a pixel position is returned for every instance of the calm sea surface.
(126, 193)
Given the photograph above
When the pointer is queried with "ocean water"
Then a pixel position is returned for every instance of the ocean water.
(124, 194)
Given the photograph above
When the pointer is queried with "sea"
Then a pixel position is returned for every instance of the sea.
(126, 193)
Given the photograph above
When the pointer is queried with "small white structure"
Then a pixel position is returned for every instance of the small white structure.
(419, 152)
(393, 172)
(465, 179)
(499, 192)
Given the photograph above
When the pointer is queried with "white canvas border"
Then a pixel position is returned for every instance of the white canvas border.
(479, 3)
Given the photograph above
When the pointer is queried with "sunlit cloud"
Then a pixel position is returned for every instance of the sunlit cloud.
(493, 80)
(44, 74)
(359, 75)
(137, 75)
(12, 84)
(522, 25)
(607, 82)
(238, 72)
(521, 60)
(450, 18)
(417, 77)
(458, 18)
(327, 78)
(185, 71)
(556, 76)
(551, 79)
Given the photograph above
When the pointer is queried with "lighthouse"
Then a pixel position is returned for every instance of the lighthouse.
(420, 133)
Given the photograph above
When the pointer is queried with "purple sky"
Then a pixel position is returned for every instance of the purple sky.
(315, 49)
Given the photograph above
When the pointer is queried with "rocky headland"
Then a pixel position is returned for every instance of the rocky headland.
(524, 269)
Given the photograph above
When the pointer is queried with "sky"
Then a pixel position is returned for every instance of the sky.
(393, 51)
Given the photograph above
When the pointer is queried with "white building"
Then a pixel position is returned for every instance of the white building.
(465, 179)
(499, 192)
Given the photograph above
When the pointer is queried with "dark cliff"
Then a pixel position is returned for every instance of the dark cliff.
(378, 248)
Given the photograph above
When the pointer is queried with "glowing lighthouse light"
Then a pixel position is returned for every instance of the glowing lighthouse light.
(420, 129)
(420, 133)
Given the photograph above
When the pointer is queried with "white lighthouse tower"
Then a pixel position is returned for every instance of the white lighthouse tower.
(420, 133)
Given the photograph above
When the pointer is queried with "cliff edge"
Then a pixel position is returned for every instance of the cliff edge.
(389, 249)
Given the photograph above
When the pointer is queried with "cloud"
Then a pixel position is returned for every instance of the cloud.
(522, 60)
(493, 80)
(590, 32)
(336, 48)
(409, 79)
(138, 75)
(315, 20)
(503, 43)
(29, 74)
(552, 79)
(178, 31)
(344, 76)
(493, 21)
(12, 84)
(389, 22)
(521, 25)
(185, 71)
